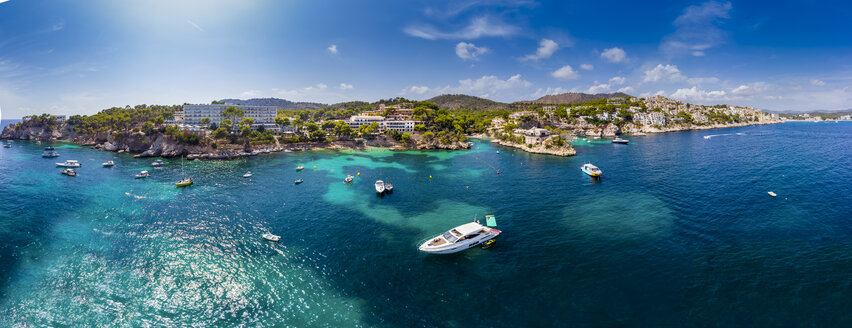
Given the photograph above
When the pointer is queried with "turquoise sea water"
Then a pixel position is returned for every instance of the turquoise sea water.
(679, 231)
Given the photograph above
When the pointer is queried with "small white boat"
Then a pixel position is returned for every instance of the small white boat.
(69, 163)
(271, 237)
(498, 151)
(299, 181)
(380, 186)
(299, 168)
(7, 145)
(388, 187)
(143, 174)
(158, 162)
(597, 138)
(620, 141)
(772, 194)
(591, 170)
(247, 175)
(109, 164)
(69, 172)
(460, 238)
(348, 179)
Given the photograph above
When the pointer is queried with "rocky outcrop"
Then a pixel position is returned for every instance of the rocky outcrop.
(564, 151)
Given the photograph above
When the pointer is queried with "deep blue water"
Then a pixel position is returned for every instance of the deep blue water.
(679, 231)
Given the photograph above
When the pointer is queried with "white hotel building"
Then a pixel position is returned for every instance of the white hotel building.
(262, 115)
(399, 125)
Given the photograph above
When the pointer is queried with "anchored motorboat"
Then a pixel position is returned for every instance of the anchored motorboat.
(247, 175)
(143, 174)
(460, 238)
(69, 163)
(620, 141)
(271, 237)
(69, 172)
(158, 162)
(772, 194)
(49, 152)
(299, 168)
(299, 181)
(7, 145)
(591, 170)
(109, 164)
(348, 179)
(380, 186)
(388, 187)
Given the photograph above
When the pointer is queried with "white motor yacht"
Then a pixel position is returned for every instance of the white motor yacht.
(50, 153)
(460, 238)
(69, 163)
(158, 162)
(247, 175)
(109, 164)
(69, 172)
(380, 186)
(620, 141)
(143, 174)
(348, 179)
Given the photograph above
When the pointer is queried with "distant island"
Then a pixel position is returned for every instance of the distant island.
(232, 128)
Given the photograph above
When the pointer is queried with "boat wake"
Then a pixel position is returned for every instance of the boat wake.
(724, 134)
(134, 196)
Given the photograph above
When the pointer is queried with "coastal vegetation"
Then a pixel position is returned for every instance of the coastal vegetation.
(446, 124)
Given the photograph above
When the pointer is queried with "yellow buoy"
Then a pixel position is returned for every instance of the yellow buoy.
(315, 166)
(430, 177)
(359, 174)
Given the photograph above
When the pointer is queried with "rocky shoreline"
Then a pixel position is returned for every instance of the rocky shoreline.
(539, 149)
(160, 145)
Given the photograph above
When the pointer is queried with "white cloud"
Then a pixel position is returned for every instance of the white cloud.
(469, 51)
(332, 49)
(751, 89)
(817, 82)
(344, 86)
(664, 73)
(627, 90)
(546, 92)
(486, 86)
(59, 25)
(316, 92)
(565, 73)
(702, 80)
(478, 27)
(649, 94)
(417, 89)
(546, 48)
(191, 23)
(617, 80)
(696, 29)
(700, 95)
(598, 88)
(614, 55)
(587, 67)
(251, 94)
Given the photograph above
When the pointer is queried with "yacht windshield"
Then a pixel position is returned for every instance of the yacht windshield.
(449, 237)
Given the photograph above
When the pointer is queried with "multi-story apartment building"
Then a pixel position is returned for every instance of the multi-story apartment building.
(262, 115)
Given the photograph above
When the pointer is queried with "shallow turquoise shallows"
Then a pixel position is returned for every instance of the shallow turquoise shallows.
(680, 231)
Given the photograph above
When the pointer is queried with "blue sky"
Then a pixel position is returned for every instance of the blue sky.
(69, 57)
